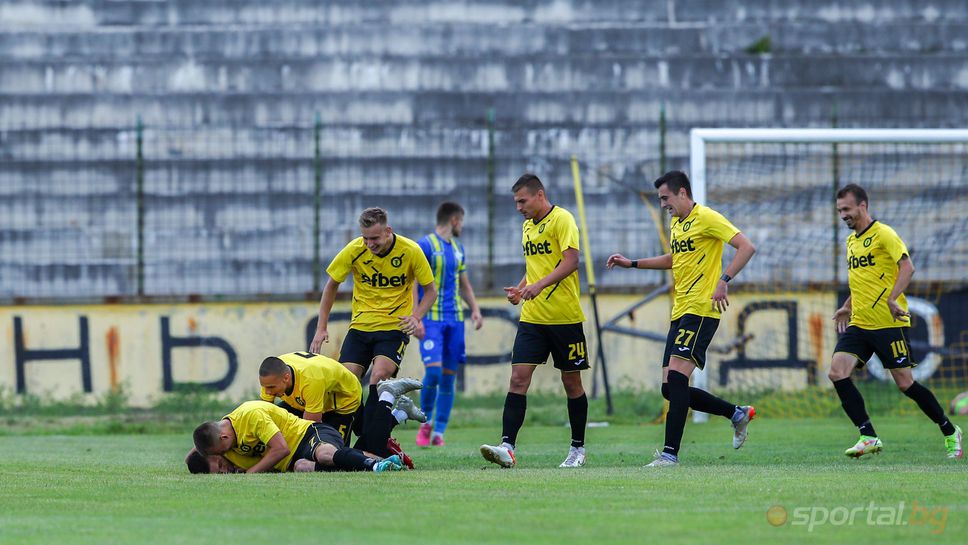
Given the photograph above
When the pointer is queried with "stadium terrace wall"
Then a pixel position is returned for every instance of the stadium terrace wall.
(85, 351)
(174, 148)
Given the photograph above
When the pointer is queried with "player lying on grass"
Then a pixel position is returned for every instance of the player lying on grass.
(234, 463)
(294, 445)
(283, 442)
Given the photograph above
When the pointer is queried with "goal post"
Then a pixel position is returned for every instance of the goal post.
(778, 187)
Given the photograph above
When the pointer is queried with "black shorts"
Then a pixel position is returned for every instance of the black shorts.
(316, 434)
(688, 339)
(565, 343)
(360, 347)
(343, 423)
(890, 345)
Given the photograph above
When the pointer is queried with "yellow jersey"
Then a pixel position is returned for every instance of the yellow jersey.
(320, 385)
(382, 285)
(696, 242)
(543, 243)
(872, 258)
(240, 461)
(256, 422)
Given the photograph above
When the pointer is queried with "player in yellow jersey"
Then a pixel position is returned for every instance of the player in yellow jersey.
(701, 295)
(551, 319)
(232, 462)
(284, 442)
(384, 267)
(874, 320)
(321, 389)
(313, 387)
(218, 463)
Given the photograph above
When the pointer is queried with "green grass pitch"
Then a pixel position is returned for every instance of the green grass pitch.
(57, 489)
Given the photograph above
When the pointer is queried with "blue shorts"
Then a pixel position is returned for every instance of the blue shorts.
(443, 342)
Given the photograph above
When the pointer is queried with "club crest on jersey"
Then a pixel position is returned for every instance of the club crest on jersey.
(682, 246)
(380, 280)
(686, 226)
(397, 261)
(867, 242)
(541, 228)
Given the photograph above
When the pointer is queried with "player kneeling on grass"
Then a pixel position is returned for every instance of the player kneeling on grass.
(260, 436)
(317, 388)
(313, 387)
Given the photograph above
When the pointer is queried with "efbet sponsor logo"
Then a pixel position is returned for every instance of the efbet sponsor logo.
(540, 248)
(854, 262)
(380, 280)
(871, 515)
(682, 246)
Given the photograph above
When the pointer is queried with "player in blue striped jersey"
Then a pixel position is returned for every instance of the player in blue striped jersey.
(441, 332)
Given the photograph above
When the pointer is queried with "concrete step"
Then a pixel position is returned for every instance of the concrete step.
(92, 13)
(298, 143)
(770, 107)
(64, 280)
(576, 74)
(476, 41)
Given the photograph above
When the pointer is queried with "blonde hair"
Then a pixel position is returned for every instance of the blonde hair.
(373, 216)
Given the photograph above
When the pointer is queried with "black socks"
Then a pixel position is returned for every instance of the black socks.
(930, 406)
(515, 406)
(678, 409)
(578, 417)
(350, 459)
(701, 400)
(853, 404)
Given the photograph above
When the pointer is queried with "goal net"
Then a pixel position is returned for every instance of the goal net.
(778, 186)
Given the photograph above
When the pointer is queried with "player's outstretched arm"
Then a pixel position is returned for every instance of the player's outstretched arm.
(659, 262)
(276, 451)
(325, 307)
(568, 265)
(905, 271)
(744, 252)
(468, 292)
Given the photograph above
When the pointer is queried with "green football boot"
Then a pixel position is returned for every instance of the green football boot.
(952, 443)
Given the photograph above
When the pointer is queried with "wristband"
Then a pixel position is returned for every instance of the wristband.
(726, 278)
(634, 264)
